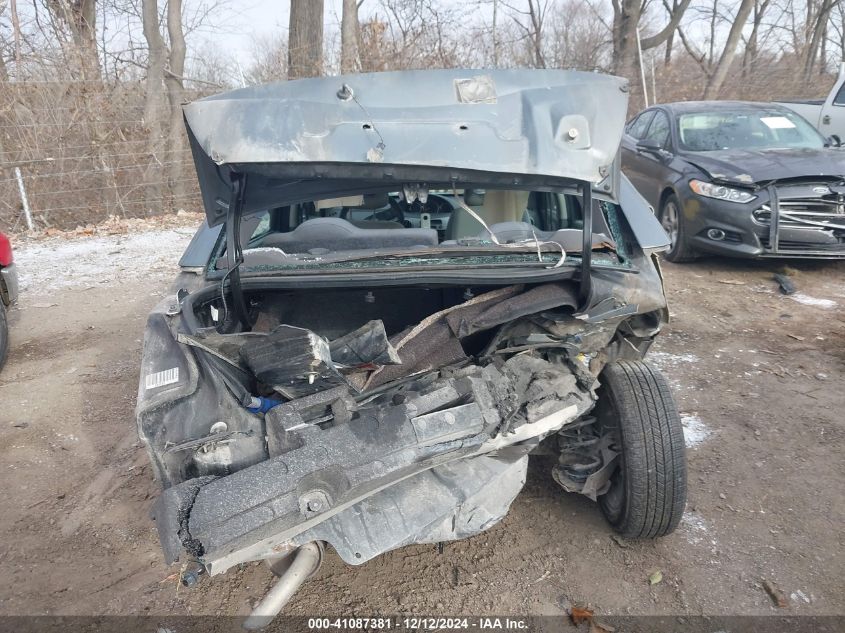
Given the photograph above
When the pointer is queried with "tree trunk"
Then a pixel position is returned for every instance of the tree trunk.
(79, 18)
(536, 16)
(305, 43)
(495, 34)
(749, 55)
(670, 40)
(154, 104)
(16, 34)
(714, 84)
(667, 54)
(349, 37)
(173, 80)
(626, 20)
(816, 29)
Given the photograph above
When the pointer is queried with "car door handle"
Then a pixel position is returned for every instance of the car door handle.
(826, 119)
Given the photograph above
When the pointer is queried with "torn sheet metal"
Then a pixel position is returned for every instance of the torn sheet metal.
(298, 362)
(368, 346)
(226, 347)
(405, 431)
(450, 502)
(295, 361)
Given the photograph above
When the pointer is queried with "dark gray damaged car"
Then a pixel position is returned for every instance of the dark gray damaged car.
(408, 284)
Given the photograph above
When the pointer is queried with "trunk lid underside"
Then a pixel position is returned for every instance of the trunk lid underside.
(561, 124)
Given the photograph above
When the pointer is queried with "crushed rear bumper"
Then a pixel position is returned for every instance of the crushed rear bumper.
(431, 465)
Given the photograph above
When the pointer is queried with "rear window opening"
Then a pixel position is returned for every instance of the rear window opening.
(416, 219)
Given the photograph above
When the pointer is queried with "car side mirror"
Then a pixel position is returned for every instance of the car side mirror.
(834, 141)
(648, 145)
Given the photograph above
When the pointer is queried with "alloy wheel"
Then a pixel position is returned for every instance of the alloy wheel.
(670, 221)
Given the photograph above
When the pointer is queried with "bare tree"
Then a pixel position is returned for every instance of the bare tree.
(164, 92)
(815, 28)
(174, 82)
(530, 22)
(349, 36)
(156, 60)
(714, 84)
(305, 39)
(16, 30)
(79, 19)
(414, 34)
(749, 58)
(269, 60)
(627, 15)
(576, 39)
(838, 28)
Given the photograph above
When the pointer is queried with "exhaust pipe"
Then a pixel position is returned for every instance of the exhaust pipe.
(306, 560)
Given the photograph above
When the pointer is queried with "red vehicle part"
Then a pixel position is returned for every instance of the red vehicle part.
(6, 257)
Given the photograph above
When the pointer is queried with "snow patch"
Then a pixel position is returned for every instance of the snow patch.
(694, 527)
(695, 431)
(56, 263)
(812, 301)
(795, 595)
(665, 360)
(667, 363)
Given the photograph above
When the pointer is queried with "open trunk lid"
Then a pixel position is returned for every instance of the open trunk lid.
(452, 123)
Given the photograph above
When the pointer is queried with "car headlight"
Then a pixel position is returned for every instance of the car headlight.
(720, 192)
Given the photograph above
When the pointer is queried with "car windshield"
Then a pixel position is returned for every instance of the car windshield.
(746, 129)
(425, 226)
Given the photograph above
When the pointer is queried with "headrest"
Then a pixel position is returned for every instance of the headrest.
(474, 197)
(375, 201)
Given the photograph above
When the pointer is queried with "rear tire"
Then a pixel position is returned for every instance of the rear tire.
(4, 335)
(672, 220)
(648, 491)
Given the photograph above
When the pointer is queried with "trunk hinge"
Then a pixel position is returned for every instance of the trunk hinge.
(587, 244)
(234, 253)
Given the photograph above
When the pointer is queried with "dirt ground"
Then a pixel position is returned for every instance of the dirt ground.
(758, 377)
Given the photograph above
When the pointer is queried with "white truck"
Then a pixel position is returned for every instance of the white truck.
(828, 114)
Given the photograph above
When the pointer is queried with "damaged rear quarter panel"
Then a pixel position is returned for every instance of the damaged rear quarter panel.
(445, 417)
(397, 438)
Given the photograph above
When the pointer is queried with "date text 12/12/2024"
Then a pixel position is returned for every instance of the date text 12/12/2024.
(419, 623)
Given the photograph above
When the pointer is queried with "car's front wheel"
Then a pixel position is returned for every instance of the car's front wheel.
(648, 490)
(672, 220)
(4, 335)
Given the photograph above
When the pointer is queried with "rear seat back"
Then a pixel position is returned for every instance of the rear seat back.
(515, 232)
(336, 234)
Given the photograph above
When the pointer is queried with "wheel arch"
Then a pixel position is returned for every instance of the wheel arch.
(667, 191)
(5, 295)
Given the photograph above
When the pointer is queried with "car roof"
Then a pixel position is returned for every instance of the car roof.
(691, 107)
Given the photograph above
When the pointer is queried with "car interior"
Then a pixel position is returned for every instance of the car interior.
(388, 220)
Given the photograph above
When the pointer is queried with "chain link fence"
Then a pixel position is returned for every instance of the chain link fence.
(74, 153)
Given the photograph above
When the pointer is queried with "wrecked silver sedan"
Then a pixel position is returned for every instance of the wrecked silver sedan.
(407, 284)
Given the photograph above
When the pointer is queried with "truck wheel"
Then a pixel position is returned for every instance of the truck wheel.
(648, 491)
(4, 335)
(672, 221)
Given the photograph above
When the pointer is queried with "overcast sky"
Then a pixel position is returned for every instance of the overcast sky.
(263, 17)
